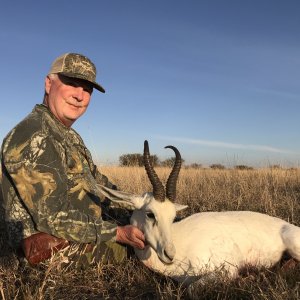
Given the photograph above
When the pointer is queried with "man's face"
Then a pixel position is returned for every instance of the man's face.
(68, 98)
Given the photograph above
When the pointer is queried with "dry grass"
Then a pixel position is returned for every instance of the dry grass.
(272, 191)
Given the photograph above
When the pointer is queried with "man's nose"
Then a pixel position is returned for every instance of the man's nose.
(78, 93)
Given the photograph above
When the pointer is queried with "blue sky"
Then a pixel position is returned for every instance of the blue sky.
(217, 79)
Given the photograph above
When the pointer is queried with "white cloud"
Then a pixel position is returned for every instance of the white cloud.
(219, 144)
(278, 93)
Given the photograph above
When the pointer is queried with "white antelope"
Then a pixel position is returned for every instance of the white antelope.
(203, 244)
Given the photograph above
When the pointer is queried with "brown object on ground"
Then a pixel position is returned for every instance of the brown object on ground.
(41, 246)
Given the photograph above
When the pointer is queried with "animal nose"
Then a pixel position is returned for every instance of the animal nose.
(170, 252)
(170, 256)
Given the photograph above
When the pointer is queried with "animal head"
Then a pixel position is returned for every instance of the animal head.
(153, 212)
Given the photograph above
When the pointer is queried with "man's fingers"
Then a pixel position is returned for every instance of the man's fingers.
(138, 238)
(131, 235)
(138, 234)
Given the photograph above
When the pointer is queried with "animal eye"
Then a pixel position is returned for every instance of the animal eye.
(150, 215)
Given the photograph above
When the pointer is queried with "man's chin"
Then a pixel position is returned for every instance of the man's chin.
(69, 120)
(73, 116)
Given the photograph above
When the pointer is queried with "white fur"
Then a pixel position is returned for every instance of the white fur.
(207, 243)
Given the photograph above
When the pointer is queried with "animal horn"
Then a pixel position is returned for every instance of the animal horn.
(172, 180)
(158, 188)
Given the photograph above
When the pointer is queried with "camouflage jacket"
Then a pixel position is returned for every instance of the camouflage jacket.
(49, 183)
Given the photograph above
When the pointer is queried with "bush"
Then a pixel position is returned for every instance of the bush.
(217, 166)
(169, 162)
(243, 167)
(136, 160)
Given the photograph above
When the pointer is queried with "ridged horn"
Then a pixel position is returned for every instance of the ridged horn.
(172, 180)
(158, 188)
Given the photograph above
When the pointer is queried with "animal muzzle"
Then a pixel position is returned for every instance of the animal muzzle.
(167, 254)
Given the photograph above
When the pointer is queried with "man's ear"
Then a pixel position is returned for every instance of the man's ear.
(48, 83)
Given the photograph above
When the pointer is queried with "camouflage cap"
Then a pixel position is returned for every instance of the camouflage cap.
(76, 66)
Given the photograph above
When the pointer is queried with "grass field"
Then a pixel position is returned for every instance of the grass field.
(272, 191)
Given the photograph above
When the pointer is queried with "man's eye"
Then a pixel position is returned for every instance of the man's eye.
(71, 83)
(150, 215)
(88, 90)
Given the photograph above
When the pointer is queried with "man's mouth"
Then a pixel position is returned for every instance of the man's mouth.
(75, 105)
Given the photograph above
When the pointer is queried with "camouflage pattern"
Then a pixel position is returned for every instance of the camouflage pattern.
(4, 248)
(49, 184)
(76, 66)
(81, 256)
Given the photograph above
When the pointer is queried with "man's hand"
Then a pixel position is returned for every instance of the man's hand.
(131, 235)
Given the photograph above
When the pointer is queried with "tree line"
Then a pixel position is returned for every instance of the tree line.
(136, 160)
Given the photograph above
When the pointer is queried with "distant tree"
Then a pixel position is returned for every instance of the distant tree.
(217, 166)
(243, 167)
(275, 167)
(154, 160)
(196, 166)
(136, 159)
(129, 160)
(169, 162)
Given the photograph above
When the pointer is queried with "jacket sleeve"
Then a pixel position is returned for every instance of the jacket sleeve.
(58, 190)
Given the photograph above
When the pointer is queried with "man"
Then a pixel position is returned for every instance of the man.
(49, 179)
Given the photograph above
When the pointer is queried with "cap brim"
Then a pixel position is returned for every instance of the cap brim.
(79, 76)
(98, 87)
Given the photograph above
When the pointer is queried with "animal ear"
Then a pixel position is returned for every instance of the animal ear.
(124, 199)
(180, 207)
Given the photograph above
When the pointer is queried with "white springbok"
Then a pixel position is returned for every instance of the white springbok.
(207, 243)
